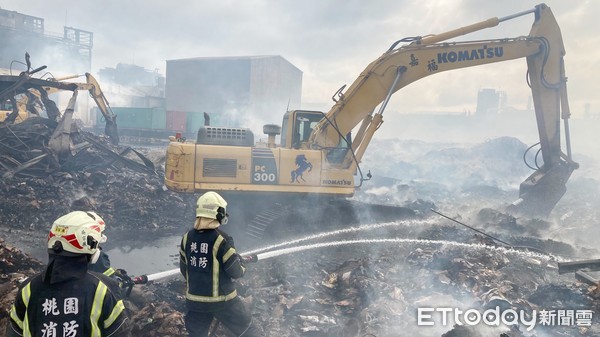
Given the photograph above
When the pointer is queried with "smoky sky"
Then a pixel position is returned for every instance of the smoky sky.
(331, 42)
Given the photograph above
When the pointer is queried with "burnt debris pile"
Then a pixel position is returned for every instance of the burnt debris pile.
(120, 183)
(328, 293)
(373, 287)
(15, 266)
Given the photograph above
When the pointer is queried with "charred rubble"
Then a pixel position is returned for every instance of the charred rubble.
(119, 182)
(333, 293)
(361, 290)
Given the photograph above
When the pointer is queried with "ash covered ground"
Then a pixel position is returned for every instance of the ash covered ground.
(369, 280)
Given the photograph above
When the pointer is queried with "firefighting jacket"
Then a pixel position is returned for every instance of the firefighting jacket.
(72, 302)
(102, 265)
(209, 263)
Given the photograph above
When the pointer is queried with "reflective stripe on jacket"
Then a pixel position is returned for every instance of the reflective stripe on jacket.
(87, 306)
(102, 265)
(209, 263)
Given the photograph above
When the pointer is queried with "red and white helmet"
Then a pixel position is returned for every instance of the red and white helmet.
(101, 223)
(78, 232)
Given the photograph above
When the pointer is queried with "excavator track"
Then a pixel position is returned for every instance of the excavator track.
(260, 223)
(279, 219)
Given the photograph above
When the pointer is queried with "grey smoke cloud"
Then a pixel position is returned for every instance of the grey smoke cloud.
(330, 41)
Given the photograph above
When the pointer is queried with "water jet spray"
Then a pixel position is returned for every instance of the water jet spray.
(343, 231)
(290, 250)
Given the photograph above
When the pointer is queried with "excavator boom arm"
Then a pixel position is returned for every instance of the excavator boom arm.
(413, 63)
(93, 87)
(543, 49)
(111, 119)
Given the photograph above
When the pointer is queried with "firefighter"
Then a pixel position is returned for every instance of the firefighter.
(209, 263)
(66, 299)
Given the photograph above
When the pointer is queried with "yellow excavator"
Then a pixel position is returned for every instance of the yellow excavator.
(93, 87)
(7, 108)
(318, 156)
(24, 95)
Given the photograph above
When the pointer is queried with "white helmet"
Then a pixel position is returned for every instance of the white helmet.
(212, 206)
(101, 223)
(78, 232)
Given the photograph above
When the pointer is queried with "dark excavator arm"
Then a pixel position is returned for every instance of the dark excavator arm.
(111, 119)
(542, 190)
(93, 87)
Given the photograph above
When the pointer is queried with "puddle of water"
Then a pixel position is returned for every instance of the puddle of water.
(156, 256)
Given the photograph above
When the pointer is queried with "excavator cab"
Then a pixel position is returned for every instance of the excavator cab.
(302, 124)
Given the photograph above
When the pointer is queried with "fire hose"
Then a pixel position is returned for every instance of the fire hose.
(143, 279)
(522, 248)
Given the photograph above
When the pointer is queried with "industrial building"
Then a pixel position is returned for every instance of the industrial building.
(65, 53)
(70, 51)
(246, 91)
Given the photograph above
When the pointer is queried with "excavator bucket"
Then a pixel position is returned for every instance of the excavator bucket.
(541, 191)
(60, 142)
(112, 131)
